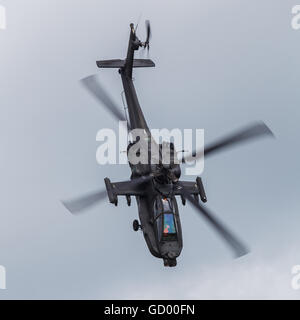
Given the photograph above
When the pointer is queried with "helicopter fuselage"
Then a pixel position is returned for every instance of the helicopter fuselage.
(162, 243)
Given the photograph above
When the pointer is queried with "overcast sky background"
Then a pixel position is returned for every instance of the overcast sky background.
(220, 65)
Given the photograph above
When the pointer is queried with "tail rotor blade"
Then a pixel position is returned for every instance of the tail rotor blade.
(147, 42)
(148, 30)
(236, 245)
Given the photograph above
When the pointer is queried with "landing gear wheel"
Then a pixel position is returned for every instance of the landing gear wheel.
(136, 225)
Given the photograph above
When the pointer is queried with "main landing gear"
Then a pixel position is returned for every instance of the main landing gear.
(136, 225)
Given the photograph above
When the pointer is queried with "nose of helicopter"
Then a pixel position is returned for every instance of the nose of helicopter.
(170, 262)
(171, 255)
(170, 259)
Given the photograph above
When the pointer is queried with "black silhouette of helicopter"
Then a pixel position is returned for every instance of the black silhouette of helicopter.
(155, 186)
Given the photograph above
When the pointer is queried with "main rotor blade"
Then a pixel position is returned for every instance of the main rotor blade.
(237, 246)
(95, 88)
(84, 202)
(256, 130)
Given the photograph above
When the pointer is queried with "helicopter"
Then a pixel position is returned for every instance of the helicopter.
(156, 186)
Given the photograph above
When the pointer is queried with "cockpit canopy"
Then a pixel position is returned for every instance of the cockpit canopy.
(165, 219)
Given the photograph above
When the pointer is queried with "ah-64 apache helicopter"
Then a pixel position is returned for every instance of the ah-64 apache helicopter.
(155, 186)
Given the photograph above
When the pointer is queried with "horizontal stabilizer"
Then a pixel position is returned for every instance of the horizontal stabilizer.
(118, 63)
(143, 63)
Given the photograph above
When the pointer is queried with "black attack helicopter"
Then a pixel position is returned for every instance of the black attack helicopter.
(156, 186)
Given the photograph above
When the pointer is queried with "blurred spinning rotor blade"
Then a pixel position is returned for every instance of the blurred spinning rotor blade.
(148, 30)
(236, 245)
(95, 88)
(84, 202)
(252, 132)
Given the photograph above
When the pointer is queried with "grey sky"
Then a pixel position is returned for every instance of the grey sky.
(220, 65)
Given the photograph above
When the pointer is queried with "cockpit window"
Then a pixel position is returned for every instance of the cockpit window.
(169, 224)
(165, 220)
(167, 205)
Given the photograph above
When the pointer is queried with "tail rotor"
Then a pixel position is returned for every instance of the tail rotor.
(148, 29)
(146, 44)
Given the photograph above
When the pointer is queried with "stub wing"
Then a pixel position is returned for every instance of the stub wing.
(124, 188)
(195, 188)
